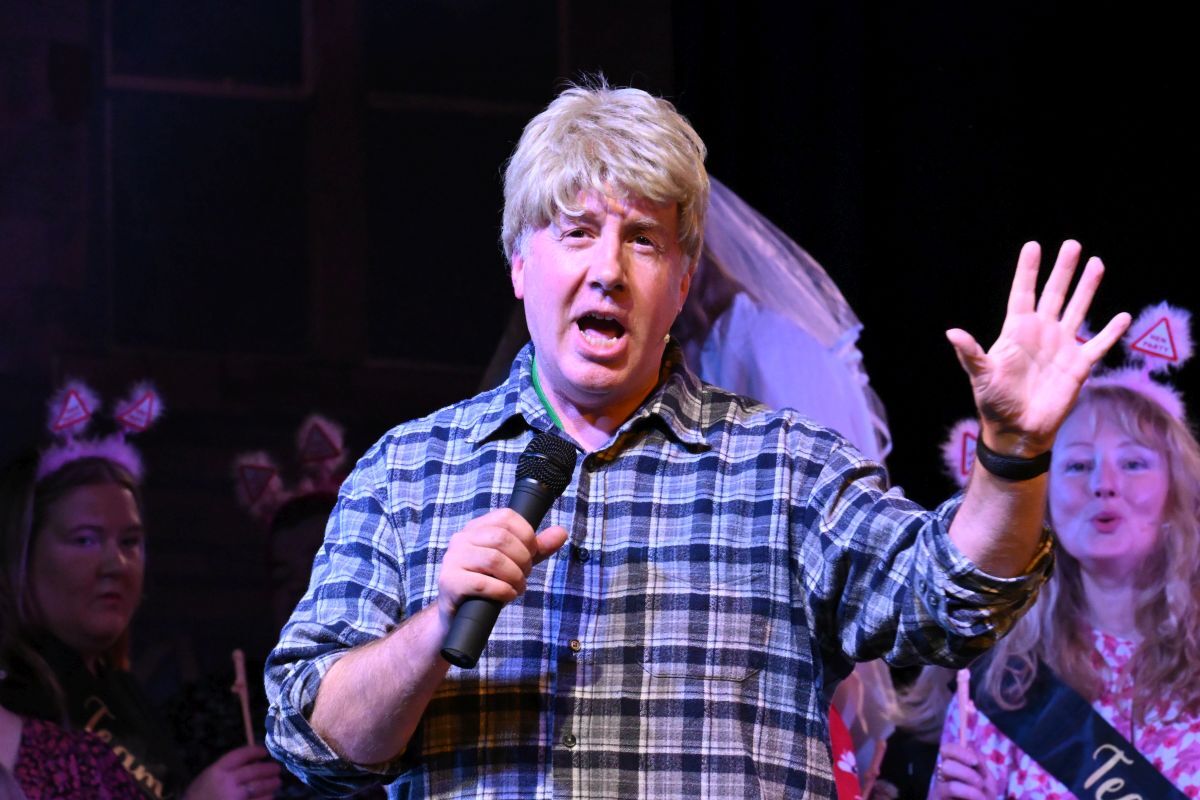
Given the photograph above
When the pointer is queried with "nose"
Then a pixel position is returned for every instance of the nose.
(1104, 479)
(115, 560)
(606, 267)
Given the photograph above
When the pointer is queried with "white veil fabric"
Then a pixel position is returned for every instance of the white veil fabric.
(773, 270)
(764, 319)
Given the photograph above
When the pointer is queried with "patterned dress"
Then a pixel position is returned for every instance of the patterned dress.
(110, 704)
(57, 763)
(1173, 746)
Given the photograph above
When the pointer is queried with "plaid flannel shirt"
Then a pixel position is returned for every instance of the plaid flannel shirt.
(726, 566)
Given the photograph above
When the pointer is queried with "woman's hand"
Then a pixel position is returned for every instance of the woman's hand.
(883, 790)
(246, 773)
(962, 775)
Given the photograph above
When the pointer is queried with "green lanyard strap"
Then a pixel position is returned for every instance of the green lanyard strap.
(537, 387)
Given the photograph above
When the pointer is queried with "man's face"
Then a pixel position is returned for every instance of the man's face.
(601, 291)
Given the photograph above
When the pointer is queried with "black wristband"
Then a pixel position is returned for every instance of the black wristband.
(1011, 468)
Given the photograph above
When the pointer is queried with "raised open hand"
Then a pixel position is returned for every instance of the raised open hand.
(1025, 384)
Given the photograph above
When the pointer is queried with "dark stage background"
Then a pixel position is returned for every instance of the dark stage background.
(276, 207)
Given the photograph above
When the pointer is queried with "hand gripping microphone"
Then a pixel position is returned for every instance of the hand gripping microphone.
(543, 471)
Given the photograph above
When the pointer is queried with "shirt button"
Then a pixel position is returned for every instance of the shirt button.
(569, 740)
(582, 555)
(575, 645)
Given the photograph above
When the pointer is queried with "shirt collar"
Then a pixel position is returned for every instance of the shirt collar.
(514, 399)
(677, 403)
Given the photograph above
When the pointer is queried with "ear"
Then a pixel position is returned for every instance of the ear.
(517, 274)
(686, 283)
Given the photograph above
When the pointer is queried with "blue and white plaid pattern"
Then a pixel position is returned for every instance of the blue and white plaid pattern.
(727, 565)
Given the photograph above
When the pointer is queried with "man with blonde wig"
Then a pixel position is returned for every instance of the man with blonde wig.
(712, 569)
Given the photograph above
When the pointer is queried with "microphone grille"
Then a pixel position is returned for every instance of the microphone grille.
(549, 460)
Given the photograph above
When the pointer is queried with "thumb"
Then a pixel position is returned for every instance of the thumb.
(970, 355)
(548, 541)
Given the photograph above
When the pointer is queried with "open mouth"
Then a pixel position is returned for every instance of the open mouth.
(600, 328)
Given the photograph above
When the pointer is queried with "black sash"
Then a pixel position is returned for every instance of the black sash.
(1069, 738)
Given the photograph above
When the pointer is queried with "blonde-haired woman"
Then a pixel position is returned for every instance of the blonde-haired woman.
(1118, 623)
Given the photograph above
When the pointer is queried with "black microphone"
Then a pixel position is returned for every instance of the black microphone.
(543, 471)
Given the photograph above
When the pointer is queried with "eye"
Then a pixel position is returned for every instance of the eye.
(646, 242)
(576, 233)
(1135, 464)
(85, 539)
(133, 541)
(1076, 467)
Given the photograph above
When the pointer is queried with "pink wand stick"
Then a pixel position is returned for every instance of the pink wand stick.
(963, 687)
(240, 689)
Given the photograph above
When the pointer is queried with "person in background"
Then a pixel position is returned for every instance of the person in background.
(293, 509)
(922, 697)
(72, 556)
(41, 760)
(291, 504)
(1097, 689)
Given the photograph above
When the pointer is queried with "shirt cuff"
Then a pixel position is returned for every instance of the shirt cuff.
(967, 601)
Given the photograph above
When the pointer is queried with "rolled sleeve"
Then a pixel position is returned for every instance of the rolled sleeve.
(352, 600)
(969, 604)
(893, 585)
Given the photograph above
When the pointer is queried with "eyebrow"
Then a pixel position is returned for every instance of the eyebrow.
(583, 216)
(1122, 443)
(87, 526)
(646, 224)
(641, 223)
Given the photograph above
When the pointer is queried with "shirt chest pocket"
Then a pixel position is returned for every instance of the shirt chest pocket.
(706, 612)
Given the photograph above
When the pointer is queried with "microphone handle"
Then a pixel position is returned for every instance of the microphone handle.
(476, 616)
